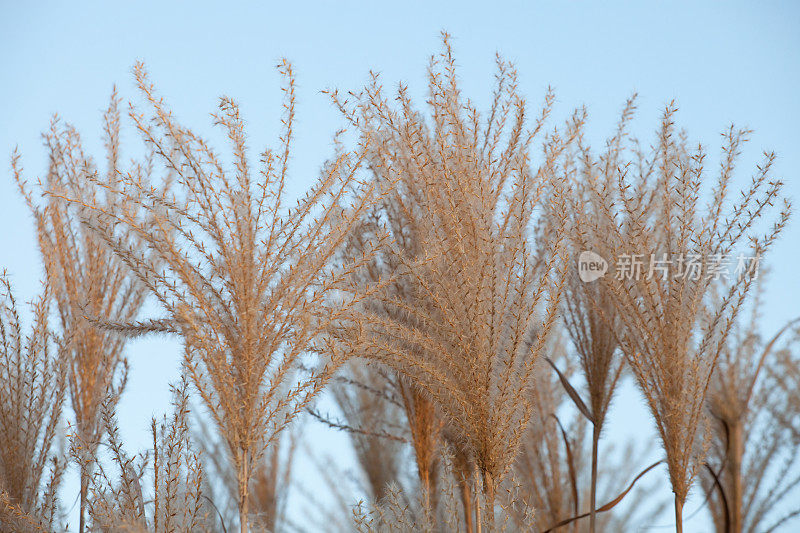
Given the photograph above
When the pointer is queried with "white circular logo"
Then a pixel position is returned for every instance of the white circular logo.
(591, 266)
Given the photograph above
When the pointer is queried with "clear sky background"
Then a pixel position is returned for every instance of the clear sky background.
(723, 62)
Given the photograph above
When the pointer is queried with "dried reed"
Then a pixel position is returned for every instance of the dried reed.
(246, 281)
(672, 329)
(32, 388)
(85, 276)
(484, 296)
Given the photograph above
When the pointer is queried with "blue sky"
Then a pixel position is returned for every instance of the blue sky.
(722, 62)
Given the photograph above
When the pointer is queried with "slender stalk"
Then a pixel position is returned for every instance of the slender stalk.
(243, 496)
(155, 475)
(425, 484)
(593, 495)
(478, 517)
(734, 466)
(488, 488)
(466, 500)
(84, 490)
(678, 515)
(477, 513)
